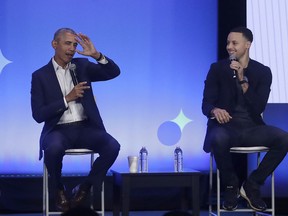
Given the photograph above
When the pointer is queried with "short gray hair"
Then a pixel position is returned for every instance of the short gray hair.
(61, 31)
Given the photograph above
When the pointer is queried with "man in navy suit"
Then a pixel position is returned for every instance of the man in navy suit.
(62, 98)
(235, 95)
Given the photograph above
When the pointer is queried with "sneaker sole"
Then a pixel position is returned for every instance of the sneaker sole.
(230, 209)
(233, 209)
(243, 194)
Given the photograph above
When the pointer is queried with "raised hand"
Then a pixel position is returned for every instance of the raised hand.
(87, 45)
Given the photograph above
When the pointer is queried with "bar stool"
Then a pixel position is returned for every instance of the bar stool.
(241, 150)
(46, 209)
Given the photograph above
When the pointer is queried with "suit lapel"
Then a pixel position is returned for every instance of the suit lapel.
(53, 80)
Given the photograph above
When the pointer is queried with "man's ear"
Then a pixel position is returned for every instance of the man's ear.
(54, 44)
(248, 44)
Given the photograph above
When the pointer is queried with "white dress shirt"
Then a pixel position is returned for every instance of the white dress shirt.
(75, 111)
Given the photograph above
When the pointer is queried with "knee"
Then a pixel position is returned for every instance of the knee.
(111, 148)
(115, 147)
(54, 144)
(283, 144)
(54, 149)
(220, 140)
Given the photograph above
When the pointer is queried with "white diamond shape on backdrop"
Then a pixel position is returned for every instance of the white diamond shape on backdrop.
(3, 61)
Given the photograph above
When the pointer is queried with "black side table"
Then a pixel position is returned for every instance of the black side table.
(123, 182)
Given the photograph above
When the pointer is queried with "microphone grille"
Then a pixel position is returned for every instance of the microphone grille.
(232, 57)
(72, 67)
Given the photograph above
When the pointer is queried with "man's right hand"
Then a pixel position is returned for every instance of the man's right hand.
(221, 115)
(77, 92)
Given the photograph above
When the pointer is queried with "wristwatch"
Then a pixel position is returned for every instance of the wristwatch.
(245, 80)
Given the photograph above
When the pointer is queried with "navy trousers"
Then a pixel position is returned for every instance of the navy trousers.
(82, 135)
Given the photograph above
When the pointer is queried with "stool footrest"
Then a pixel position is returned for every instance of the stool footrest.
(240, 150)
(46, 208)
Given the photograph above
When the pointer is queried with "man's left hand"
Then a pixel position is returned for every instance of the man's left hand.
(87, 45)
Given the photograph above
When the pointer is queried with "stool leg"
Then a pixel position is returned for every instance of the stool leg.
(273, 193)
(44, 194)
(102, 191)
(91, 190)
(210, 183)
(102, 200)
(91, 198)
(272, 188)
(218, 192)
(45, 191)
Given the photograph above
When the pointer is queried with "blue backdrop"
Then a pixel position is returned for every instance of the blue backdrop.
(164, 49)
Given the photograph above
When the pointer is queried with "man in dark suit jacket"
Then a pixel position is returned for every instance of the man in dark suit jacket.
(235, 95)
(62, 98)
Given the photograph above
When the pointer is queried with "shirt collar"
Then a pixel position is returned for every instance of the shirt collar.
(57, 66)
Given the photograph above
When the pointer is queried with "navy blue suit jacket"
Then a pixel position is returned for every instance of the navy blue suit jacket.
(47, 99)
(220, 91)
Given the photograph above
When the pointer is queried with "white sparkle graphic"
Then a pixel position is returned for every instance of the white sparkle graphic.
(3, 61)
(181, 120)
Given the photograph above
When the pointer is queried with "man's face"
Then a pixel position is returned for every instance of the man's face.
(237, 45)
(65, 48)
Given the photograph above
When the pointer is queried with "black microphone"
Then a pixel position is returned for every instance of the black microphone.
(232, 57)
(72, 69)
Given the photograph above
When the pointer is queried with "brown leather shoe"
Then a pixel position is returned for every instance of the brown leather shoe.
(61, 202)
(79, 195)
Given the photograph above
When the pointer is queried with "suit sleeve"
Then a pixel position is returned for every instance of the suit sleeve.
(259, 89)
(43, 110)
(210, 93)
(102, 72)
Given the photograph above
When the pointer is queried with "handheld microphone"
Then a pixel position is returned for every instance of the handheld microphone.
(72, 69)
(232, 57)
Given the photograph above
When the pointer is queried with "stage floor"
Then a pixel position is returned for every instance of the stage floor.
(145, 213)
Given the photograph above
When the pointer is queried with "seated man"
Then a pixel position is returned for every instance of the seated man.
(62, 98)
(235, 95)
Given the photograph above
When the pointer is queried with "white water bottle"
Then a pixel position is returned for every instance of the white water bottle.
(178, 160)
(143, 160)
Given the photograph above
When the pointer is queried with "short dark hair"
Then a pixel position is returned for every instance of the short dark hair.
(247, 33)
(61, 31)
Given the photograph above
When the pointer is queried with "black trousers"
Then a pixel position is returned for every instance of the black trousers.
(246, 133)
(81, 135)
